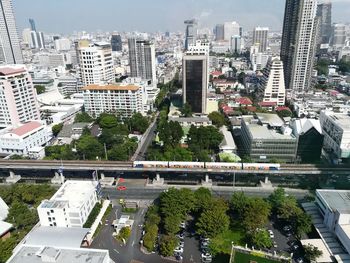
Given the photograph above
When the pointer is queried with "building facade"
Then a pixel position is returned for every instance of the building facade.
(336, 130)
(24, 138)
(37, 40)
(299, 43)
(142, 59)
(96, 63)
(231, 29)
(190, 33)
(10, 49)
(18, 102)
(236, 44)
(273, 82)
(324, 13)
(121, 99)
(116, 42)
(260, 36)
(70, 206)
(219, 32)
(339, 35)
(195, 79)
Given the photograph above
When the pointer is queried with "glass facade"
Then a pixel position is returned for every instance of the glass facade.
(194, 84)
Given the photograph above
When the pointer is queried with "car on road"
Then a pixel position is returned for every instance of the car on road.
(271, 234)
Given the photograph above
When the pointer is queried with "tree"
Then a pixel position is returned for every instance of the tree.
(170, 133)
(186, 110)
(83, 117)
(344, 65)
(56, 129)
(312, 253)
(256, 214)
(238, 203)
(322, 67)
(202, 197)
(213, 220)
(217, 119)
(20, 215)
(167, 245)
(178, 154)
(302, 223)
(89, 148)
(261, 239)
(111, 137)
(125, 233)
(40, 89)
(107, 121)
(277, 197)
(285, 113)
(204, 138)
(171, 223)
(138, 123)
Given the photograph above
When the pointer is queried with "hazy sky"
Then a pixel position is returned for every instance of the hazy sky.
(65, 16)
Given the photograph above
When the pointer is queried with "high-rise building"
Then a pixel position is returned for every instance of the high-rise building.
(236, 44)
(38, 40)
(260, 35)
(10, 49)
(299, 43)
(195, 67)
(231, 29)
(324, 13)
(32, 24)
(339, 35)
(18, 102)
(273, 82)
(191, 33)
(219, 32)
(116, 42)
(62, 44)
(142, 58)
(96, 63)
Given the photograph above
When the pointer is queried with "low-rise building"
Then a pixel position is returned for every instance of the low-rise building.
(123, 221)
(70, 206)
(266, 139)
(334, 206)
(117, 98)
(228, 144)
(336, 130)
(5, 227)
(22, 139)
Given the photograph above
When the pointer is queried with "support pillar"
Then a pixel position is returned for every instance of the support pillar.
(13, 178)
(207, 182)
(58, 178)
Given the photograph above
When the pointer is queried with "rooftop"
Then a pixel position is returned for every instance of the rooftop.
(112, 87)
(337, 200)
(271, 119)
(4, 227)
(5, 71)
(343, 120)
(26, 128)
(37, 254)
(74, 192)
(262, 132)
(65, 237)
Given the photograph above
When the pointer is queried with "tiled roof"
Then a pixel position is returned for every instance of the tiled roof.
(26, 128)
(4, 71)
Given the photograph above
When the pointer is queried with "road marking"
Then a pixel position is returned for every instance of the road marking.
(133, 242)
(191, 259)
(116, 251)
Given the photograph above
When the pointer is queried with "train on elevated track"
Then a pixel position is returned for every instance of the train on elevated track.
(208, 165)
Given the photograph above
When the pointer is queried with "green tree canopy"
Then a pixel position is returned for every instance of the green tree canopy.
(89, 148)
(202, 197)
(40, 89)
(204, 138)
(125, 233)
(312, 253)
(56, 129)
(107, 121)
(261, 239)
(167, 245)
(217, 119)
(138, 123)
(186, 110)
(83, 117)
(170, 133)
(256, 214)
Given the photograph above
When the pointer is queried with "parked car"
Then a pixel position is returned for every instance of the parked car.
(181, 244)
(183, 225)
(271, 233)
(206, 256)
(179, 250)
(287, 228)
(300, 260)
(181, 236)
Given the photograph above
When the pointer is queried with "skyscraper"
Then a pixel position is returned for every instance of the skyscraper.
(339, 35)
(260, 35)
(32, 24)
(116, 42)
(236, 44)
(96, 63)
(231, 29)
(10, 50)
(299, 43)
(195, 77)
(324, 12)
(38, 40)
(142, 57)
(219, 32)
(191, 33)
(273, 82)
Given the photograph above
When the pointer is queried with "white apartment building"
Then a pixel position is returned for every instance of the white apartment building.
(10, 49)
(18, 101)
(62, 44)
(70, 206)
(68, 84)
(96, 63)
(258, 59)
(24, 138)
(274, 85)
(124, 99)
(336, 130)
(52, 60)
(334, 206)
(231, 29)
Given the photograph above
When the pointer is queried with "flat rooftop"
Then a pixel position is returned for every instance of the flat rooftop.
(343, 120)
(270, 119)
(262, 132)
(36, 254)
(75, 192)
(112, 87)
(337, 200)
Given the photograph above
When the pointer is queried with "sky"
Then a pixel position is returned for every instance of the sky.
(66, 16)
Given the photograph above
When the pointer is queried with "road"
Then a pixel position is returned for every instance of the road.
(146, 140)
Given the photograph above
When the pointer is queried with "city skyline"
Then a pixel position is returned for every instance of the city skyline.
(171, 14)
